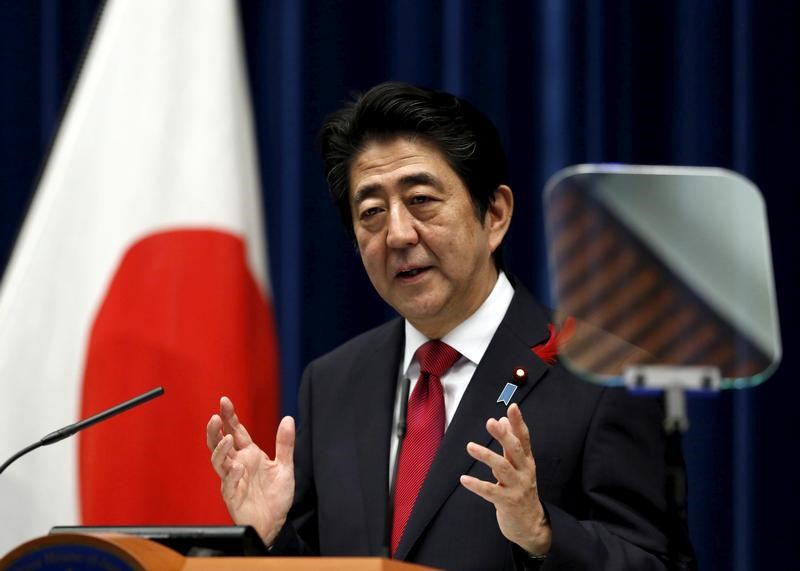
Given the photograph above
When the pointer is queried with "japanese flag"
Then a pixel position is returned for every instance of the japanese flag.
(141, 263)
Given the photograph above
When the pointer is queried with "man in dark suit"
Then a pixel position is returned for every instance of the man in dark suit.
(557, 474)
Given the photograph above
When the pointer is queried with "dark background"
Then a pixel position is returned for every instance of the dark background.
(711, 83)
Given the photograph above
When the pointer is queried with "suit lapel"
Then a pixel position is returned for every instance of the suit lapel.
(524, 326)
(375, 387)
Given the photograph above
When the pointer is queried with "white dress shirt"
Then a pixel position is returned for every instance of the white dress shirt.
(471, 338)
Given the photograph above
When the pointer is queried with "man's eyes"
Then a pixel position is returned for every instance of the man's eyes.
(416, 200)
(421, 199)
(370, 212)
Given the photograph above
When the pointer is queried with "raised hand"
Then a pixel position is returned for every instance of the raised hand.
(257, 490)
(515, 496)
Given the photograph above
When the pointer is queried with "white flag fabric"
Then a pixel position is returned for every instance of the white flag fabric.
(141, 263)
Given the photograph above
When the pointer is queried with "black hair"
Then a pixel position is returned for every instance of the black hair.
(466, 138)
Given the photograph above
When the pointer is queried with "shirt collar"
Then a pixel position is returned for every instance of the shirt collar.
(472, 336)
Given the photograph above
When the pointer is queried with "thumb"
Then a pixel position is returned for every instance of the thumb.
(284, 441)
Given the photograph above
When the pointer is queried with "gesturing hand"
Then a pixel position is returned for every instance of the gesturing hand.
(520, 514)
(257, 491)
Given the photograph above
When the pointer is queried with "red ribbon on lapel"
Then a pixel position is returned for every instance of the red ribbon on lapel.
(548, 351)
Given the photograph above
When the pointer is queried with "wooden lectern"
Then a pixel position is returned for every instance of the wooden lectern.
(130, 553)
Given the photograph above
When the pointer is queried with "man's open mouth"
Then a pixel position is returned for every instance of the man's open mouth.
(411, 273)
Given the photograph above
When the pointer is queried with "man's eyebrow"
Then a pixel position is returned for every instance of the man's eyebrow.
(365, 192)
(420, 179)
(406, 181)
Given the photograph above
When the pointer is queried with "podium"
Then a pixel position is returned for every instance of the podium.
(130, 553)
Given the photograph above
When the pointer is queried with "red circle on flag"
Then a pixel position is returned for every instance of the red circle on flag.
(182, 311)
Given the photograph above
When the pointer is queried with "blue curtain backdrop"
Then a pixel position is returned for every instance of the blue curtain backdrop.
(685, 82)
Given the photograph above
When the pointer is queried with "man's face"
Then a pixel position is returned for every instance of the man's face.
(421, 243)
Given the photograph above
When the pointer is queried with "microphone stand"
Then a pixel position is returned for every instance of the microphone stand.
(402, 423)
(62, 433)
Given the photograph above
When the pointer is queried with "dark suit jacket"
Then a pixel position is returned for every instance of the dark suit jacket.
(599, 456)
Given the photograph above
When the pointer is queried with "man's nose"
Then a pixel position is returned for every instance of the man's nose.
(401, 231)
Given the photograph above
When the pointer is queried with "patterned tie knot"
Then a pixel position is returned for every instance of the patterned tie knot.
(436, 357)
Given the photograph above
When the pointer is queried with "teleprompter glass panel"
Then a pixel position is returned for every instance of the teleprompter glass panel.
(662, 266)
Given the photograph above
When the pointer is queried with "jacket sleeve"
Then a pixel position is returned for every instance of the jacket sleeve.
(299, 536)
(625, 522)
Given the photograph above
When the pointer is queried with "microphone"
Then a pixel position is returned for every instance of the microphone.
(62, 433)
(402, 424)
(402, 419)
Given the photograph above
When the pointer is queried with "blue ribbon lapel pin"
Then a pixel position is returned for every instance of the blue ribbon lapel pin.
(506, 394)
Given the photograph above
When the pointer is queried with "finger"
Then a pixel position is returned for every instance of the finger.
(220, 455)
(284, 441)
(213, 432)
(231, 424)
(512, 447)
(519, 428)
(486, 490)
(231, 481)
(501, 468)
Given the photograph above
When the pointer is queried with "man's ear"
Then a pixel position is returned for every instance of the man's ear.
(498, 215)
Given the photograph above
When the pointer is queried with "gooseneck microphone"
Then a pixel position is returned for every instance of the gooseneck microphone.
(71, 429)
(402, 423)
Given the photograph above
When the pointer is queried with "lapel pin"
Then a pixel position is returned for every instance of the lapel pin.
(506, 394)
(520, 375)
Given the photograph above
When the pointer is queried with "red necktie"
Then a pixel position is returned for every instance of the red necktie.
(425, 428)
